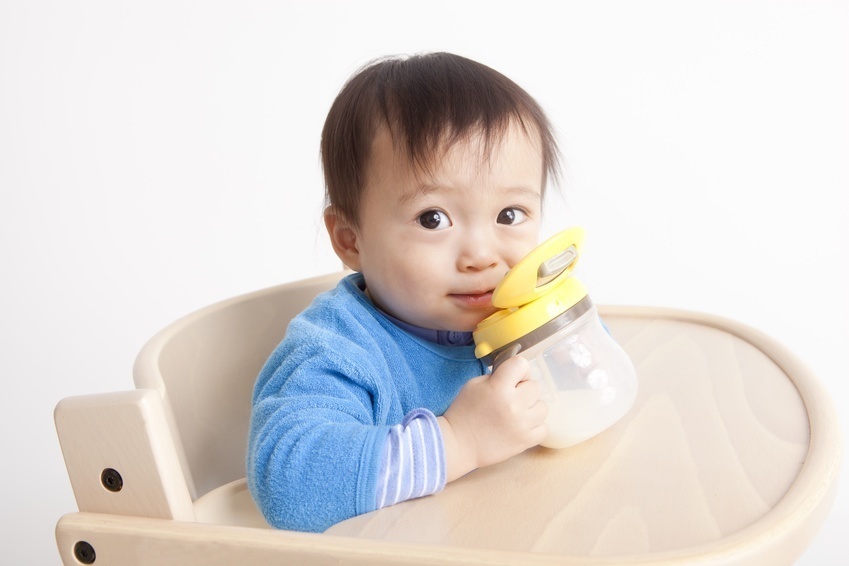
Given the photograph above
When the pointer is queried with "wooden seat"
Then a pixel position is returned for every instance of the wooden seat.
(729, 456)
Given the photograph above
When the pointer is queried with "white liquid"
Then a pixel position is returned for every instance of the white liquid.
(576, 415)
(587, 380)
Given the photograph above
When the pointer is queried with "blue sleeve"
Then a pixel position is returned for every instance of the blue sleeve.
(314, 446)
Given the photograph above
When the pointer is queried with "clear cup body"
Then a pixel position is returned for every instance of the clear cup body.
(587, 380)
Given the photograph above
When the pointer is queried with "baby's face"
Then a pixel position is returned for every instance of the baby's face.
(433, 246)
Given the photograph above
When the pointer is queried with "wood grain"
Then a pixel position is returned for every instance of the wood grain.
(716, 437)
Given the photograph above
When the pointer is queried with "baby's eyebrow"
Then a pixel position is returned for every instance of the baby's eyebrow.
(524, 192)
(423, 190)
(420, 192)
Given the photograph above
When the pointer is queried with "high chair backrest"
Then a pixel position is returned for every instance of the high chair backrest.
(204, 367)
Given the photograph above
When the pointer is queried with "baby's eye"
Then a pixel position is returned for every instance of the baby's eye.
(434, 220)
(512, 216)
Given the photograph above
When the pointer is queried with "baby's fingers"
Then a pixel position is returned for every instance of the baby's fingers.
(528, 391)
(538, 412)
(511, 372)
(538, 433)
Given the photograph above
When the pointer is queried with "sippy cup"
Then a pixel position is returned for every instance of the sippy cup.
(547, 317)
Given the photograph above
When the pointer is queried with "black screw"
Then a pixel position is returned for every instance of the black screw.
(84, 552)
(111, 480)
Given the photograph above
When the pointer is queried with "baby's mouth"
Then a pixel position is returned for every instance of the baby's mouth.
(476, 299)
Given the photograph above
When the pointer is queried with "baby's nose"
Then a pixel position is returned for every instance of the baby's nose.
(478, 254)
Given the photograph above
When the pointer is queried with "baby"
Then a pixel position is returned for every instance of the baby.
(435, 167)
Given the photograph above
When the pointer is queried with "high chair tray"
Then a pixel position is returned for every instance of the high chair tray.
(730, 455)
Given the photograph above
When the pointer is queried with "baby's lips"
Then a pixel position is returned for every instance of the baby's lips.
(477, 299)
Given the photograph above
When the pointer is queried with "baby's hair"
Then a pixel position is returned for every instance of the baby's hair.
(426, 101)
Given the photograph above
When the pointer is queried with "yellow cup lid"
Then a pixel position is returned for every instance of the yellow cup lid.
(535, 291)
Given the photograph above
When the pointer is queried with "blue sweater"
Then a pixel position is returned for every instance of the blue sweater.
(324, 403)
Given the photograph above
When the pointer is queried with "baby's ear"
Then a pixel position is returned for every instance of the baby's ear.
(343, 237)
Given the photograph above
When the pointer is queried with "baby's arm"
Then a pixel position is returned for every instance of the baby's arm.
(315, 452)
(314, 445)
(493, 418)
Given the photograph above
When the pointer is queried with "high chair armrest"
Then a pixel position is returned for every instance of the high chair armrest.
(120, 455)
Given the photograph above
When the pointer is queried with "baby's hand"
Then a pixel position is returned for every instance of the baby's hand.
(493, 418)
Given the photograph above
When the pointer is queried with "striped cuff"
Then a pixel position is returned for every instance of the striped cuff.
(413, 462)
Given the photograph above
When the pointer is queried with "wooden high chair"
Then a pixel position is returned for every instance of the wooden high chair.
(729, 456)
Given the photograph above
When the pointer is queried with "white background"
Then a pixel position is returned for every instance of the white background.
(159, 156)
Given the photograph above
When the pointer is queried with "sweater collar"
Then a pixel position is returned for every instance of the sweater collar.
(441, 337)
